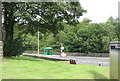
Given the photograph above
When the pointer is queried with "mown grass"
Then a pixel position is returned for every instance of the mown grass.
(24, 67)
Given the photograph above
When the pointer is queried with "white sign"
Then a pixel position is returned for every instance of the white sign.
(62, 48)
(63, 54)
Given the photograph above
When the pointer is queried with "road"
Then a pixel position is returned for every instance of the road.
(94, 61)
(103, 61)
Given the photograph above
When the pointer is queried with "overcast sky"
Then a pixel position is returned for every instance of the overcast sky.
(99, 10)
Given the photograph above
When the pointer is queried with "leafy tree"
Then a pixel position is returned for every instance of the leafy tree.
(42, 16)
(117, 27)
(84, 37)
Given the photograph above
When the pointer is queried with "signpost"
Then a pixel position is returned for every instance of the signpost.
(62, 53)
(61, 48)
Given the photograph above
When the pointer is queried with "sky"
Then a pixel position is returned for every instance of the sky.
(99, 10)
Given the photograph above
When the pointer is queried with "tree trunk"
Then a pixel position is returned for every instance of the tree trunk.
(9, 30)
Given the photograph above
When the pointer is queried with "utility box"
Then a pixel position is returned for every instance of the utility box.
(115, 60)
(48, 51)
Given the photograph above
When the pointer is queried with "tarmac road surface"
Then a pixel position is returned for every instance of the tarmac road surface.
(100, 61)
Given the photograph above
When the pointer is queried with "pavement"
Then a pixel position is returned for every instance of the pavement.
(102, 61)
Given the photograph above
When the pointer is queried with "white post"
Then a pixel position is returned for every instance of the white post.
(61, 50)
(38, 42)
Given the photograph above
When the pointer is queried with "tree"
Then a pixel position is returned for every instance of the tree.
(117, 27)
(84, 37)
(42, 16)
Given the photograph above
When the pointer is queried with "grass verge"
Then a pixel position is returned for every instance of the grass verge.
(24, 67)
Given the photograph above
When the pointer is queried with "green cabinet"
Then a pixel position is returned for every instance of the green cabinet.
(48, 51)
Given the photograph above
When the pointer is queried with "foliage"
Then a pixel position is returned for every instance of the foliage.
(42, 16)
(58, 25)
(17, 49)
(86, 37)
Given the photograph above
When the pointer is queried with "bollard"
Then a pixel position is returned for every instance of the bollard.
(72, 61)
(99, 64)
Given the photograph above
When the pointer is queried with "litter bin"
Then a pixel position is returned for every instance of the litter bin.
(115, 60)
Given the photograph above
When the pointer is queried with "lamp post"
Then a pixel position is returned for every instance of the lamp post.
(38, 42)
(0, 21)
(1, 42)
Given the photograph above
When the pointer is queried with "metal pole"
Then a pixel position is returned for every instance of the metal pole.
(38, 42)
(0, 21)
(1, 43)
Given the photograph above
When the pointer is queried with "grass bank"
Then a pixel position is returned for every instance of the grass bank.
(24, 67)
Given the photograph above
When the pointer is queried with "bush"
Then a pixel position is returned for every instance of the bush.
(14, 48)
